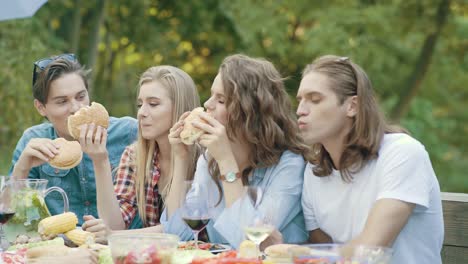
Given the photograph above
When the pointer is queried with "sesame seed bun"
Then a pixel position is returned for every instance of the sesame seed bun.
(190, 134)
(69, 155)
(95, 113)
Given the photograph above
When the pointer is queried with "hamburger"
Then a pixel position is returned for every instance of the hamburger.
(190, 134)
(69, 155)
(95, 113)
(280, 253)
(47, 251)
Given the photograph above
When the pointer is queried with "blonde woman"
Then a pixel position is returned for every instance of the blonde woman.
(252, 139)
(143, 180)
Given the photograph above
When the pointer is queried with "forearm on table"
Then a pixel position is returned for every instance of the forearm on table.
(107, 204)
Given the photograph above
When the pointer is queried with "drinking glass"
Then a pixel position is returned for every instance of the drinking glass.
(196, 208)
(7, 209)
(259, 226)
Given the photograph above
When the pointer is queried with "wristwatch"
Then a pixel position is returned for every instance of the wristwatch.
(231, 176)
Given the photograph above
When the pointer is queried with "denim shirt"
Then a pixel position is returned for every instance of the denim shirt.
(78, 182)
(282, 187)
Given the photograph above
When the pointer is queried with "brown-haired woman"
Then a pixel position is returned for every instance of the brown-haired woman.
(252, 139)
(367, 183)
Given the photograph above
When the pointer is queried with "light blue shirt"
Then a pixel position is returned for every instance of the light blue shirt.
(78, 182)
(282, 187)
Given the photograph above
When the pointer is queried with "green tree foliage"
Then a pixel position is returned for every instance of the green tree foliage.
(20, 47)
(385, 37)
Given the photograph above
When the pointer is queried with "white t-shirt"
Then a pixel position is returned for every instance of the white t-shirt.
(402, 171)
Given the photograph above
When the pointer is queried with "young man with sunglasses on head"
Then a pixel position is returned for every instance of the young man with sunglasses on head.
(60, 88)
(367, 183)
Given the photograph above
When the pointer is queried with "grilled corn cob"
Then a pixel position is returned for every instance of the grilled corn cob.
(80, 237)
(57, 224)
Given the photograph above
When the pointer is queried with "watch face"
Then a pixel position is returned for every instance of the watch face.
(230, 177)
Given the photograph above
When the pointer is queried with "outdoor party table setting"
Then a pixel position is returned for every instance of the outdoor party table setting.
(34, 236)
(188, 132)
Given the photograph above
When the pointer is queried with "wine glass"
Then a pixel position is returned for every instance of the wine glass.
(6, 209)
(260, 226)
(196, 208)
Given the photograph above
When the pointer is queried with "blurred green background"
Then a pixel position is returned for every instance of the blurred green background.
(414, 51)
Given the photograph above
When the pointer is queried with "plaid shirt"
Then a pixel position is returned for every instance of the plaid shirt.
(124, 187)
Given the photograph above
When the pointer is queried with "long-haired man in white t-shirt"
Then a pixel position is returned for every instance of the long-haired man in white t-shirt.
(367, 183)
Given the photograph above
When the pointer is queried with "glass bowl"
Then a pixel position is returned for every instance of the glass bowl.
(336, 253)
(142, 248)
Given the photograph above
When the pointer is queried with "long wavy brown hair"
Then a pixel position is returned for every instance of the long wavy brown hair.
(259, 112)
(369, 125)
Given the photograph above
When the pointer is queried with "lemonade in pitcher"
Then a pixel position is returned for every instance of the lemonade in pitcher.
(29, 203)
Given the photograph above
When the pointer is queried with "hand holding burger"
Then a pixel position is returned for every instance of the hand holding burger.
(190, 134)
(69, 154)
(93, 114)
(183, 134)
(88, 125)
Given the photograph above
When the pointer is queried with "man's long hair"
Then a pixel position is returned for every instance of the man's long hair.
(369, 125)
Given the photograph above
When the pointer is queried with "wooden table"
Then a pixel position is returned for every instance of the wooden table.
(455, 207)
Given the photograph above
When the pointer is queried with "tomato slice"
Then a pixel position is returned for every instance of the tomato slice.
(228, 254)
(204, 246)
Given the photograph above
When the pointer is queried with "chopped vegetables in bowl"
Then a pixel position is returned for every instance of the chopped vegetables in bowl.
(131, 248)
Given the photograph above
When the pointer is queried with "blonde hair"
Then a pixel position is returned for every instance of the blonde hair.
(369, 125)
(259, 112)
(184, 96)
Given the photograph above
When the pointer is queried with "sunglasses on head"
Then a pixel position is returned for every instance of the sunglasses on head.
(41, 64)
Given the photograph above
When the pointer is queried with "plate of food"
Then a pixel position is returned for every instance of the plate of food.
(13, 257)
(212, 247)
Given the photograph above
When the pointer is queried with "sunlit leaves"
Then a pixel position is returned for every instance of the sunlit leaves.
(384, 37)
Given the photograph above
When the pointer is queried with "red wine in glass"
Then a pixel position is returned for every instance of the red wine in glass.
(5, 216)
(196, 224)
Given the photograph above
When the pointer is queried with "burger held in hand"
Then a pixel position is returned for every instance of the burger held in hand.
(190, 134)
(94, 114)
(69, 155)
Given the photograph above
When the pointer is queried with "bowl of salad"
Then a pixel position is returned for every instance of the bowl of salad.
(142, 248)
(337, 253)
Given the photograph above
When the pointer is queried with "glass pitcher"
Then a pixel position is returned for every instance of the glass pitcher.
(30, 206)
